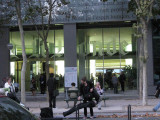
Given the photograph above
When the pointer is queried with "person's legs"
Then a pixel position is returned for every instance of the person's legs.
(156, 107)
(122, 86)
(50, 98)
(99, 105)
(116, 87)
(91, 111)
(54, 101)
(85, 110)
(41, 88)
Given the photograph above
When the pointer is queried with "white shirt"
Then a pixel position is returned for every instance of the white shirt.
(12, 89)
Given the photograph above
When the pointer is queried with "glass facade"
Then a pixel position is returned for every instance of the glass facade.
(106, 51)
(36, 55)
(101, 52)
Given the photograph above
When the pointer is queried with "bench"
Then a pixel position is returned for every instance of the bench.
(103, 97)
(67, 99)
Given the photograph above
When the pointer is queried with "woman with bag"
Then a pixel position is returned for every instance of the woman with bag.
(157, 95)
(11, 93)
(33, 86)
(100, 92)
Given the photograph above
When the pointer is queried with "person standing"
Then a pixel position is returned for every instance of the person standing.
(87, 90)
(51, 83)
(158, 105)
(100, 79)
(33, 86)
(100, 92)
(42, 83)
(115, 83)
(122, 79)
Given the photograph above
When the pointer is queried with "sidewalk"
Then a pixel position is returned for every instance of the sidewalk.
(117, 104)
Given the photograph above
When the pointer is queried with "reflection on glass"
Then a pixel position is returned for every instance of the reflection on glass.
(110, 51)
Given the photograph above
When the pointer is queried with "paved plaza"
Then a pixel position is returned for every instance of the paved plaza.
(117, 104)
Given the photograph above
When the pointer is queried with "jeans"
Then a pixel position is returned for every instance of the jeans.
(157, 107)
(115, 88)
(100, 101)
(90, 104)
(85, 109)
(52, 100)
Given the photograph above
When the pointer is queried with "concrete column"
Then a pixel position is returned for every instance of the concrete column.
(81, 55)
(151, 87)
(4, 53)
(70, 45)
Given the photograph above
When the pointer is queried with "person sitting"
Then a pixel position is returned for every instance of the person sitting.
(73, 95)
(100, 92)
(89, 103)
(11, 92)
(87, 90)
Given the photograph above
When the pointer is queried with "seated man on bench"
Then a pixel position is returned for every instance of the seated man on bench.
(88, 92)
(88, 103)
(73, 95)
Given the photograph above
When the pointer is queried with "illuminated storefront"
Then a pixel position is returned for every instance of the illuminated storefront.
(97, 40)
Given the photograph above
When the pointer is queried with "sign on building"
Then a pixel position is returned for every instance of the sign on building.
(70, 76)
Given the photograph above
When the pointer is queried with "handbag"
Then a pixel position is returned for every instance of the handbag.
(157, 93)
(55, 92)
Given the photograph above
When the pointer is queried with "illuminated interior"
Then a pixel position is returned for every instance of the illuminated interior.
(107, 49)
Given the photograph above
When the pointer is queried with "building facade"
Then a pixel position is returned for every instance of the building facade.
(95, 37)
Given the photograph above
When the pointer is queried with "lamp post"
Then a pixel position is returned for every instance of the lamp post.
(10, 46)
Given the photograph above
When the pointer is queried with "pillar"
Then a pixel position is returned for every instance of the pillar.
(70, 45)
(4, 53)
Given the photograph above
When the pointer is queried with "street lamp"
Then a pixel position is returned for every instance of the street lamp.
(10, 46)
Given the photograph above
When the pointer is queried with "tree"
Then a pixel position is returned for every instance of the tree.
(10, 9)
(42, 10)
(23, 71)
(144, 10)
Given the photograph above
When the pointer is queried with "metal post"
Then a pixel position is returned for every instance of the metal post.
(77, 113)
(129, 112)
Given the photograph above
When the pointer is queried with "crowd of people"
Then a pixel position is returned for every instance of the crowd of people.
(112, 80)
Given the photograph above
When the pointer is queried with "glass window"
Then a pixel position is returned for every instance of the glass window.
(36, 55)
(105, 51)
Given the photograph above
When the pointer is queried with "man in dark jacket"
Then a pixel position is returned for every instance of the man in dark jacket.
(42, 81)
(88, 92)
(51, 83)
(122, 79)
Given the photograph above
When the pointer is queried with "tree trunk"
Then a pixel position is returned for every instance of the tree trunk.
(23, 71)
(47, 59)
(145, 58)
(141, 70)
